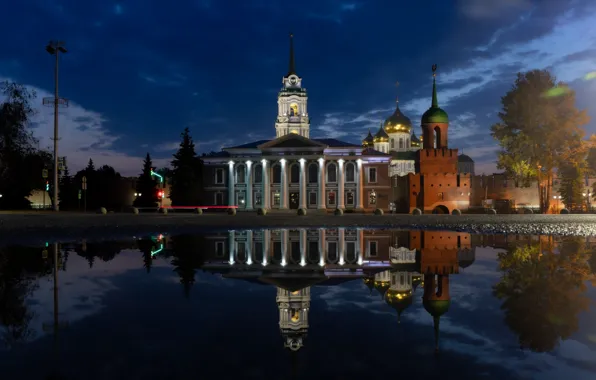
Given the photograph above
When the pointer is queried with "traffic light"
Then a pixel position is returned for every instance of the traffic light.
(160, 194)
(47, 185)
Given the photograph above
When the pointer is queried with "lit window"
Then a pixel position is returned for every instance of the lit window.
(372, 175)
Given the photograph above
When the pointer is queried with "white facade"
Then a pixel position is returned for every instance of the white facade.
(292, 111)
(293, 316)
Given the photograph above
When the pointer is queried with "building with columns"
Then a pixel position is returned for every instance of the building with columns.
(294, 171)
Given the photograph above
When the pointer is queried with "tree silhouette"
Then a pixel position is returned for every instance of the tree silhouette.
(540, 126)
(186, 176)
(146, 186)
(543, 292)
(146, 246)
(105, 251)
(187, 258)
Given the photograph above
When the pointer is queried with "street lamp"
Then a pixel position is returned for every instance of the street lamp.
(558, 198)
(588, 195)
(55, 48)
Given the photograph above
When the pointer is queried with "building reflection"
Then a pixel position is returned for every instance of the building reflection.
(392, 263)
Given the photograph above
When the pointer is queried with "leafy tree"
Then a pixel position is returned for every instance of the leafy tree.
(186, 184)
(146, 186)
(104, 187)
(543, 292)
(539, 125)
(20, 162)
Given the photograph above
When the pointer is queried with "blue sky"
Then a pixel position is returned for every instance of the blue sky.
(138, 72)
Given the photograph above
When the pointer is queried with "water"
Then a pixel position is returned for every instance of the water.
(183, 307)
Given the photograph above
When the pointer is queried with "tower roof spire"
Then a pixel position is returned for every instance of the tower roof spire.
(292, 65)
(435, 103)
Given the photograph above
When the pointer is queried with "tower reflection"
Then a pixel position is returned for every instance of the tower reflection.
(391, 263)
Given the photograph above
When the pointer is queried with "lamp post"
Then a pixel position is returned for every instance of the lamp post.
(588, 195)
(55, 48)
(557, 198)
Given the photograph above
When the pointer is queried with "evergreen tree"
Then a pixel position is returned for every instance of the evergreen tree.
(186, 184)
(146, 186)
(571, 185)
(541, 127)
(68, 195)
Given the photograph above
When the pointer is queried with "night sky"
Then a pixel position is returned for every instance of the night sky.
(138, 72)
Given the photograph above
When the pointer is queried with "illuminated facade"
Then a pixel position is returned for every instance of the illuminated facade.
(294, 171)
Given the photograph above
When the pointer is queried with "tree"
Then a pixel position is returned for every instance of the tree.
(541, 126)
(20, 162)
(146, 186)
(186, 184)
(571, 184)
(188, 257)
(68, 195)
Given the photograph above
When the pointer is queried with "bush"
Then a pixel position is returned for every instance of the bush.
(262, 211)
(492, 211)
(416, 211)
(102, 210)
(378, 211)
(135, 210)
(231, 211)
(163, 210)
(302, 212)
(528, 211)
(455, 212)
(564, 211)
(199, 211)
(339, 211)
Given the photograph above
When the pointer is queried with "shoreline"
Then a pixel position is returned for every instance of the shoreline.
(36, 228)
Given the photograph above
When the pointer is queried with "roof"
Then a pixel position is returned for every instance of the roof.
(250, 145)
(381, 133)
(373, 152)
(397, 122)
(334, 143)
(464, 158)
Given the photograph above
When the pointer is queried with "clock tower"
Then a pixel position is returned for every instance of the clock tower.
(292, 114)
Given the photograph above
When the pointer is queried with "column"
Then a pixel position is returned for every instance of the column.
(284, 247)
(341, 240)
(266, 240)
(302, 183)
(249, 185)
(359, 186)
(265, 196)
(322, 197)
(232, 245)
(340, 184)
(249, 244)
(283, 188)
(322, 246)
(231, 184)
(359, 240)
(303, 247)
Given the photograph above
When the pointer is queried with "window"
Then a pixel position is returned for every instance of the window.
(372, 248)
(332, 251)
(312, 198)
(241, 174)
(392, 143)
(331, 198)
(219, 248)
(295, 251)
(276, 174)
(219, 199)
(219, 176)
(350, 198)
(313, 173)
(294, 173)
(276, 198)
(372, 198)
(401, 143)
(350, 251)
(258, 199)
(241, 251)
(332, 173)
(257, 174)
(350, 172)
(372, 175)
(240, 199)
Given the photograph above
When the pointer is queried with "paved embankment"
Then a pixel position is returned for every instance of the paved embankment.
(36, 227)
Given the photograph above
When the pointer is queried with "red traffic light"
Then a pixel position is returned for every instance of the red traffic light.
(160, 194)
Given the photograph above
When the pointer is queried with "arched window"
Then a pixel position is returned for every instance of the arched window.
(313, 173)
(240, 174)
(437, 142)
(408, 145)
(350, 172)
(276, 173)
(332, 172)
(294, 173)
(257, 173)
(401, 143)
(392, 143)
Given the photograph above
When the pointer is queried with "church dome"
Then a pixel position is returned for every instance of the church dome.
(368, 141)
(417, 280)
(382, 286)
(414, 141)
(381, 135)
(464, 158)
(397, 122)
(436, 308)
(435, 115)
(398, 299)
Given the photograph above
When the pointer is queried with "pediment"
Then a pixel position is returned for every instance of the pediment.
(292, 141)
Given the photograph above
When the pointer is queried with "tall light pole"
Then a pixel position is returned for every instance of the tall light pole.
(54, 48)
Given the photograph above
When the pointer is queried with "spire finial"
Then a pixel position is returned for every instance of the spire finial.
(291, 66)
(397, 97)
(436, 321)
(435, 102)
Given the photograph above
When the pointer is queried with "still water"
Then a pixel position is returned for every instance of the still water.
(301, 304)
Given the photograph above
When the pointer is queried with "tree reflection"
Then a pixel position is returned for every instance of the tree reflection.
(146, 246)
(543, 291)
(19, 269)
(105, 251)
(188, 257)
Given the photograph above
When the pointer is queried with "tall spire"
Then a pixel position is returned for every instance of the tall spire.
(435, 103)
(291, 66)
(436, 321)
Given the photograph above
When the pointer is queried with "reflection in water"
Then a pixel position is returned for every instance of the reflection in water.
(541, 286)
